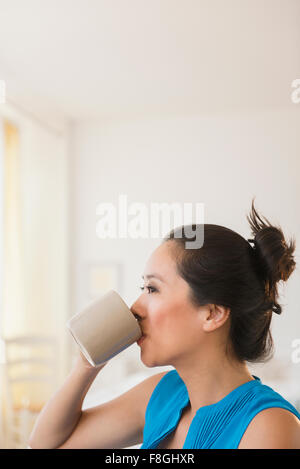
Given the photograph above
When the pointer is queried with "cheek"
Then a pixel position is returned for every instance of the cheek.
(167, 325)
(159, 325)
(170, 322)
(157, 322)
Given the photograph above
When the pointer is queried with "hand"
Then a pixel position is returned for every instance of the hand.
(84, 363)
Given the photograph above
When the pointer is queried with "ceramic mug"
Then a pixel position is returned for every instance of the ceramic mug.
(104, 328)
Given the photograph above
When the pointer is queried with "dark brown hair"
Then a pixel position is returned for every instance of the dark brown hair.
(240, 274)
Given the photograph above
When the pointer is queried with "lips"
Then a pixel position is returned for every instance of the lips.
(141, 339)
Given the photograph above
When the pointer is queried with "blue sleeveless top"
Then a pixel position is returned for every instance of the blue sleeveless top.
(220, 425)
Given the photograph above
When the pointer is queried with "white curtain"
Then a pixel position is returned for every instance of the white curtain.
(13, 316)
(34, 254)
(35, 230)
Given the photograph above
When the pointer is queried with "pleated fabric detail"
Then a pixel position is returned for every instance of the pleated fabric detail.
(219, 425)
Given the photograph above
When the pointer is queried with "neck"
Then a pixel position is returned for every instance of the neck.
(210, 380)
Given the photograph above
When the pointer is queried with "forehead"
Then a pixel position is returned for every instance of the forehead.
(162, 262)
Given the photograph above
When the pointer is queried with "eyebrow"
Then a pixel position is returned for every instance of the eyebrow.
(153, 275)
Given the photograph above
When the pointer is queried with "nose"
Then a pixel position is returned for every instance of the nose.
(136, 312)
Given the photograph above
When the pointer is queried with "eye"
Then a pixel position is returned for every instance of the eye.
(150, 289)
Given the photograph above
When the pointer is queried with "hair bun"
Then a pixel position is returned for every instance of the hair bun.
(273, 252)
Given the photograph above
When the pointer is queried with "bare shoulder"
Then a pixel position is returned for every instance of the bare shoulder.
(272, 428)
(154, 379)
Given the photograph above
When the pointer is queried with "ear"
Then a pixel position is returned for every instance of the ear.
(215, 317)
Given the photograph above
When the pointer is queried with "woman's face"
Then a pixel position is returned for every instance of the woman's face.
(171, 324)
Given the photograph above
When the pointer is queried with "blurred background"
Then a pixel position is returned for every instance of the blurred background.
(163, 101)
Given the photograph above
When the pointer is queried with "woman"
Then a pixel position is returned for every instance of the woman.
(207, 312)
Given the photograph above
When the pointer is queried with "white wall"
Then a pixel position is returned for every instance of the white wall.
(222, 161)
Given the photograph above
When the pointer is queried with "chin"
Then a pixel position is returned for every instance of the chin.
(152, 362)
(149, 363)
